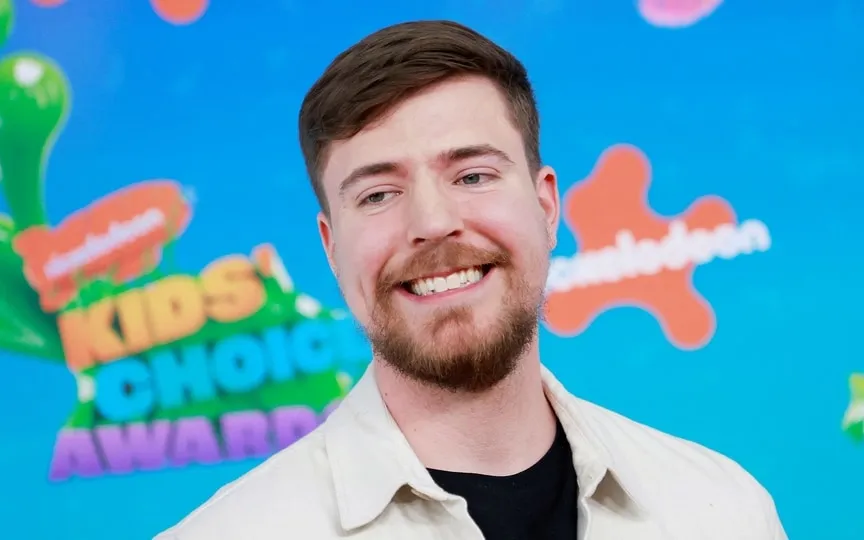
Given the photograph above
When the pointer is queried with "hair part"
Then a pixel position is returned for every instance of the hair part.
(391, 65)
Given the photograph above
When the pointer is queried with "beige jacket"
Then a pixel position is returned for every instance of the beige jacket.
(356, 477)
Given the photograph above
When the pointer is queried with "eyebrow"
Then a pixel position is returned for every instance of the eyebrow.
(455, 155)
(445, 158)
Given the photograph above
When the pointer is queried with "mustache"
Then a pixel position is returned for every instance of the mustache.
(441, 257)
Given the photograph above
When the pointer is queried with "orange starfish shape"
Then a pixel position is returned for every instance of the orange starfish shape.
(629, 255)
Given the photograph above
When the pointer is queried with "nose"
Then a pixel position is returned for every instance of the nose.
(433, 215)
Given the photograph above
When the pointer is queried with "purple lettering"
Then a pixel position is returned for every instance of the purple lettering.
(194, 442)
(135, 444)
(246, 434)
(292, 423)
(74, 454)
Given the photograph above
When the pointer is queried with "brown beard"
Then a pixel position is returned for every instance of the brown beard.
(464, 360)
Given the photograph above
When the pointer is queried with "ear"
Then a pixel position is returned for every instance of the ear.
(550, 202)
(327, 241)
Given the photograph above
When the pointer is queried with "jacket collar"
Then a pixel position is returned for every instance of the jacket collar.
(371, 460)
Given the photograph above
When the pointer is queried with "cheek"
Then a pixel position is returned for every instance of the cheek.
(349, 275)
(530, 247)
(526, 239)
(360, 256)
(519, 227)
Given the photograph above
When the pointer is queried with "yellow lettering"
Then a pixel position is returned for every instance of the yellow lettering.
(133, 321)
(232, 289)
(175, 308)
(88, 335)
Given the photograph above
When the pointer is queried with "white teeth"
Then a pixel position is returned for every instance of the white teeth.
(440, 284)
(453, 281)
(456, 280)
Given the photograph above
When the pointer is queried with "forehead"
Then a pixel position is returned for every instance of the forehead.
(456, 113)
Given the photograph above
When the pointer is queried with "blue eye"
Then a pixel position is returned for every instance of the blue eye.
(472, 179)
(375, 198)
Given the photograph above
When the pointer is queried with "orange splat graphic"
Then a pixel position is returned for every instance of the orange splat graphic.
(180, 12)
(614, 199)
(121, 235)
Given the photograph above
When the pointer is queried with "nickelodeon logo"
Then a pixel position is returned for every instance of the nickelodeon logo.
(121, 235)
(631, 256)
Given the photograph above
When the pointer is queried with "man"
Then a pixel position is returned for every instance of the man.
(438, 218)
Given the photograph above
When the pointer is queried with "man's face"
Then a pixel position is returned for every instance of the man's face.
(439, 235)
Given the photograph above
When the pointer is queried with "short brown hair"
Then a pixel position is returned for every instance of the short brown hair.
(391, 65)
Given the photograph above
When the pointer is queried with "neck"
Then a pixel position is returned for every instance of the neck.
(499, 432)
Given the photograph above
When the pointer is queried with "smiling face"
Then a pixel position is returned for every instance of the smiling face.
(439, 235)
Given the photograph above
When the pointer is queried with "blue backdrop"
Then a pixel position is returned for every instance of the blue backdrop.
(758, 103)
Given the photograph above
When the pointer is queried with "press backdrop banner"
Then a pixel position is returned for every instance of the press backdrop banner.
(168, 319)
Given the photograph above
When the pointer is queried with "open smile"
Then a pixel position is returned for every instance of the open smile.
(449, 281)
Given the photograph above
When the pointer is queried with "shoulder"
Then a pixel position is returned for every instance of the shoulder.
(291, 491)
(687, 473)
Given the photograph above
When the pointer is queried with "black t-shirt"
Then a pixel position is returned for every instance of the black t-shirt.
(538, 503)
